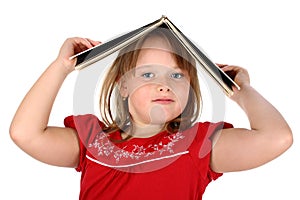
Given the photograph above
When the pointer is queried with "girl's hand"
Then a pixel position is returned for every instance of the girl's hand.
(71, 47)
(238, 74)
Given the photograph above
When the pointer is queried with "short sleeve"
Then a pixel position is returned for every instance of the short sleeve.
(87, 126)
(202, 146)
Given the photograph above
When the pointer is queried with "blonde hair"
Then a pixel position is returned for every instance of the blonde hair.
(125, 62)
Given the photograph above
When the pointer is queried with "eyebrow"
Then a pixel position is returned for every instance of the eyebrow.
(154, 65)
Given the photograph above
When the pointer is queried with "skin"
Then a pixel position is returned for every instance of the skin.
(234, 149)
(157, 92)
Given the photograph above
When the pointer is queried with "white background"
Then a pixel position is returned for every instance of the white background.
(262, 36)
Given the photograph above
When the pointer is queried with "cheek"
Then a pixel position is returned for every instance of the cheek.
(182, 94)
(139, 98)
(139, 106)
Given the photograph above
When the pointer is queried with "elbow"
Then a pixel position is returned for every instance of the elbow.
(17, 135)
(286, 140)
(289, 139)
(23, 135)
(14, 134)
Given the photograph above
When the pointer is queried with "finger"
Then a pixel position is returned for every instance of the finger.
(221, 65)
(227, 68)
(88, 43)
(231, 68)
(94, 43)
(82, 42)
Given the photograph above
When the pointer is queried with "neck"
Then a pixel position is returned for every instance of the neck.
(143, 130)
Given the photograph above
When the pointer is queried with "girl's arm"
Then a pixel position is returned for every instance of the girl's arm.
(29, 128)
(239, 149)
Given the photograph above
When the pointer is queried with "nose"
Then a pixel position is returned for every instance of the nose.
(163, 88)
(163, 84)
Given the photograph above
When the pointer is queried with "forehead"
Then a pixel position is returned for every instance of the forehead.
(152, 56)
(156, 50)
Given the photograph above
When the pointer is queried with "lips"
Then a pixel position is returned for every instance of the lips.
(163, 100)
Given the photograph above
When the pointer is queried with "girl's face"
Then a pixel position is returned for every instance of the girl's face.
(157, 89)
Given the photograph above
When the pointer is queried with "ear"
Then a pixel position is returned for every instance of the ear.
(122, 86)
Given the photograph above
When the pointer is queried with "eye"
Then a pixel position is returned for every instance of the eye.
(177, 75)
(148, 75)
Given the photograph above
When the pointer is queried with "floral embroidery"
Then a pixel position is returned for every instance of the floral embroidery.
(105, 147)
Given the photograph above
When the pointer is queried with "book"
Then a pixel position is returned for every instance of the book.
(101, 51)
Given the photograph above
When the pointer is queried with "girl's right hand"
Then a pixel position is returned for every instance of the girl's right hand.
(71, 47)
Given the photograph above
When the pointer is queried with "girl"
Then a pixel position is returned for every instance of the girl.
(152, 147)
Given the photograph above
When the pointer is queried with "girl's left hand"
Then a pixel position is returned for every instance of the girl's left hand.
(238, 74)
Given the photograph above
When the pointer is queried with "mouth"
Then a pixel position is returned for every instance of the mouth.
(163, 101)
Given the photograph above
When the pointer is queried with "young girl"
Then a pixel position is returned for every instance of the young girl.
(152, 147)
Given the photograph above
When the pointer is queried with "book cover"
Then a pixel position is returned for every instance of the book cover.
(90, 56)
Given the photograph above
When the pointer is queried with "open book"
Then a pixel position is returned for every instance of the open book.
(98, 52)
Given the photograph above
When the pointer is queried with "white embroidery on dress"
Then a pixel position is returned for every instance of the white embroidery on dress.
(137, 163)
(105, 147)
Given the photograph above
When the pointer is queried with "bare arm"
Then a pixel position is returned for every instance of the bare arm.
(241, 149)
(29, 128)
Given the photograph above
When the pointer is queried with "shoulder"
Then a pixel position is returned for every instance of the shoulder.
(73, 121)
(87, 126)
(203, 133)
(201, 147)
(205, 130)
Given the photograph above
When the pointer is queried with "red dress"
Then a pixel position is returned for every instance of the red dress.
(160, 167)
